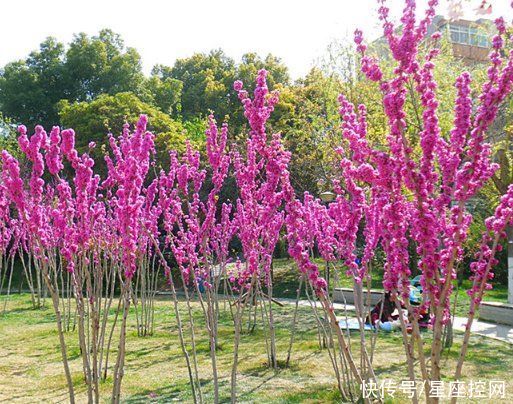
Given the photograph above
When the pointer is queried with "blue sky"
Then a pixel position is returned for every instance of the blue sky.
(162, 31)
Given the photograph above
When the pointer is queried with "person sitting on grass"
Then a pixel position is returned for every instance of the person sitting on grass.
(384, 315)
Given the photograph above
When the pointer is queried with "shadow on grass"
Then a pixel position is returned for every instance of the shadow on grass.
(312, 394)
(160, 395)
(177, 392)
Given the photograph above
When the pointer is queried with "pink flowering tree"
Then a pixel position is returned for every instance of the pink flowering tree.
(127, 171)
(261, 174)
(416, 189)
(198, 230)
(333, 230)
(147, 276)
(29, 206)
(426, 179)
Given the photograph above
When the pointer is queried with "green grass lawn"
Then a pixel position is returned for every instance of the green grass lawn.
(31, 371)
(286, 281)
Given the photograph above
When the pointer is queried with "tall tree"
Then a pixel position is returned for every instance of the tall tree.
(311, 130)
(30, 89)
(102, 65)
(164, 91)
(277, 71)
(207, 81)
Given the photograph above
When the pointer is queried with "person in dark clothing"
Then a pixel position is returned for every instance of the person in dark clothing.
(386, 307)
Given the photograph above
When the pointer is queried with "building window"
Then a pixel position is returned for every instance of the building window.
(466, 35)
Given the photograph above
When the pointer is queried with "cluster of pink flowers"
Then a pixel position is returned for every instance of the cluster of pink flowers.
(125, 183)
(262, 179)
(303, 229)
(6, 230)
(333, 229)
(76, 218)
(203, 228)
(485, 258)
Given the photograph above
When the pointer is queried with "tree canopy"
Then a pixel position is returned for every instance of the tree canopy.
(107, 114)
(30, 89)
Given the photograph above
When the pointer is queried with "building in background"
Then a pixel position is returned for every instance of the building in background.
(471, 40)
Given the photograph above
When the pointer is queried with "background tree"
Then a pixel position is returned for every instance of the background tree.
(102, 65)
(164, 91)
(30, 89)
(310, 128)
(503, 147)
(207, 81)
(107, 113)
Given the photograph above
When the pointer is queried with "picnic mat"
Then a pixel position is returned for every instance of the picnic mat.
(353, 324)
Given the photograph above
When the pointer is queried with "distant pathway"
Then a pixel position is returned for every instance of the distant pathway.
(491, 330)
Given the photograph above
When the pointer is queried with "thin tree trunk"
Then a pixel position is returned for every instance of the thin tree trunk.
(178, 318)
(509, 232)
(238, 324)
(9, 284)
(84, 346)
(472, 312)
(293, 328)
(62, 341)
(110, 339)
(272, 332)
(408, 350)
(119, 367)
(29, 279)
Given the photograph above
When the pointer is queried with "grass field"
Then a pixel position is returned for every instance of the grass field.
(31, 371)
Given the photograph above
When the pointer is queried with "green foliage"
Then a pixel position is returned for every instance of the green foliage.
(30, 89)
(309, 121)
(8, 138)
(107, 113)
(251, 63)
(101, 64)
(206, 82)
(164, 92)
(195, 130)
